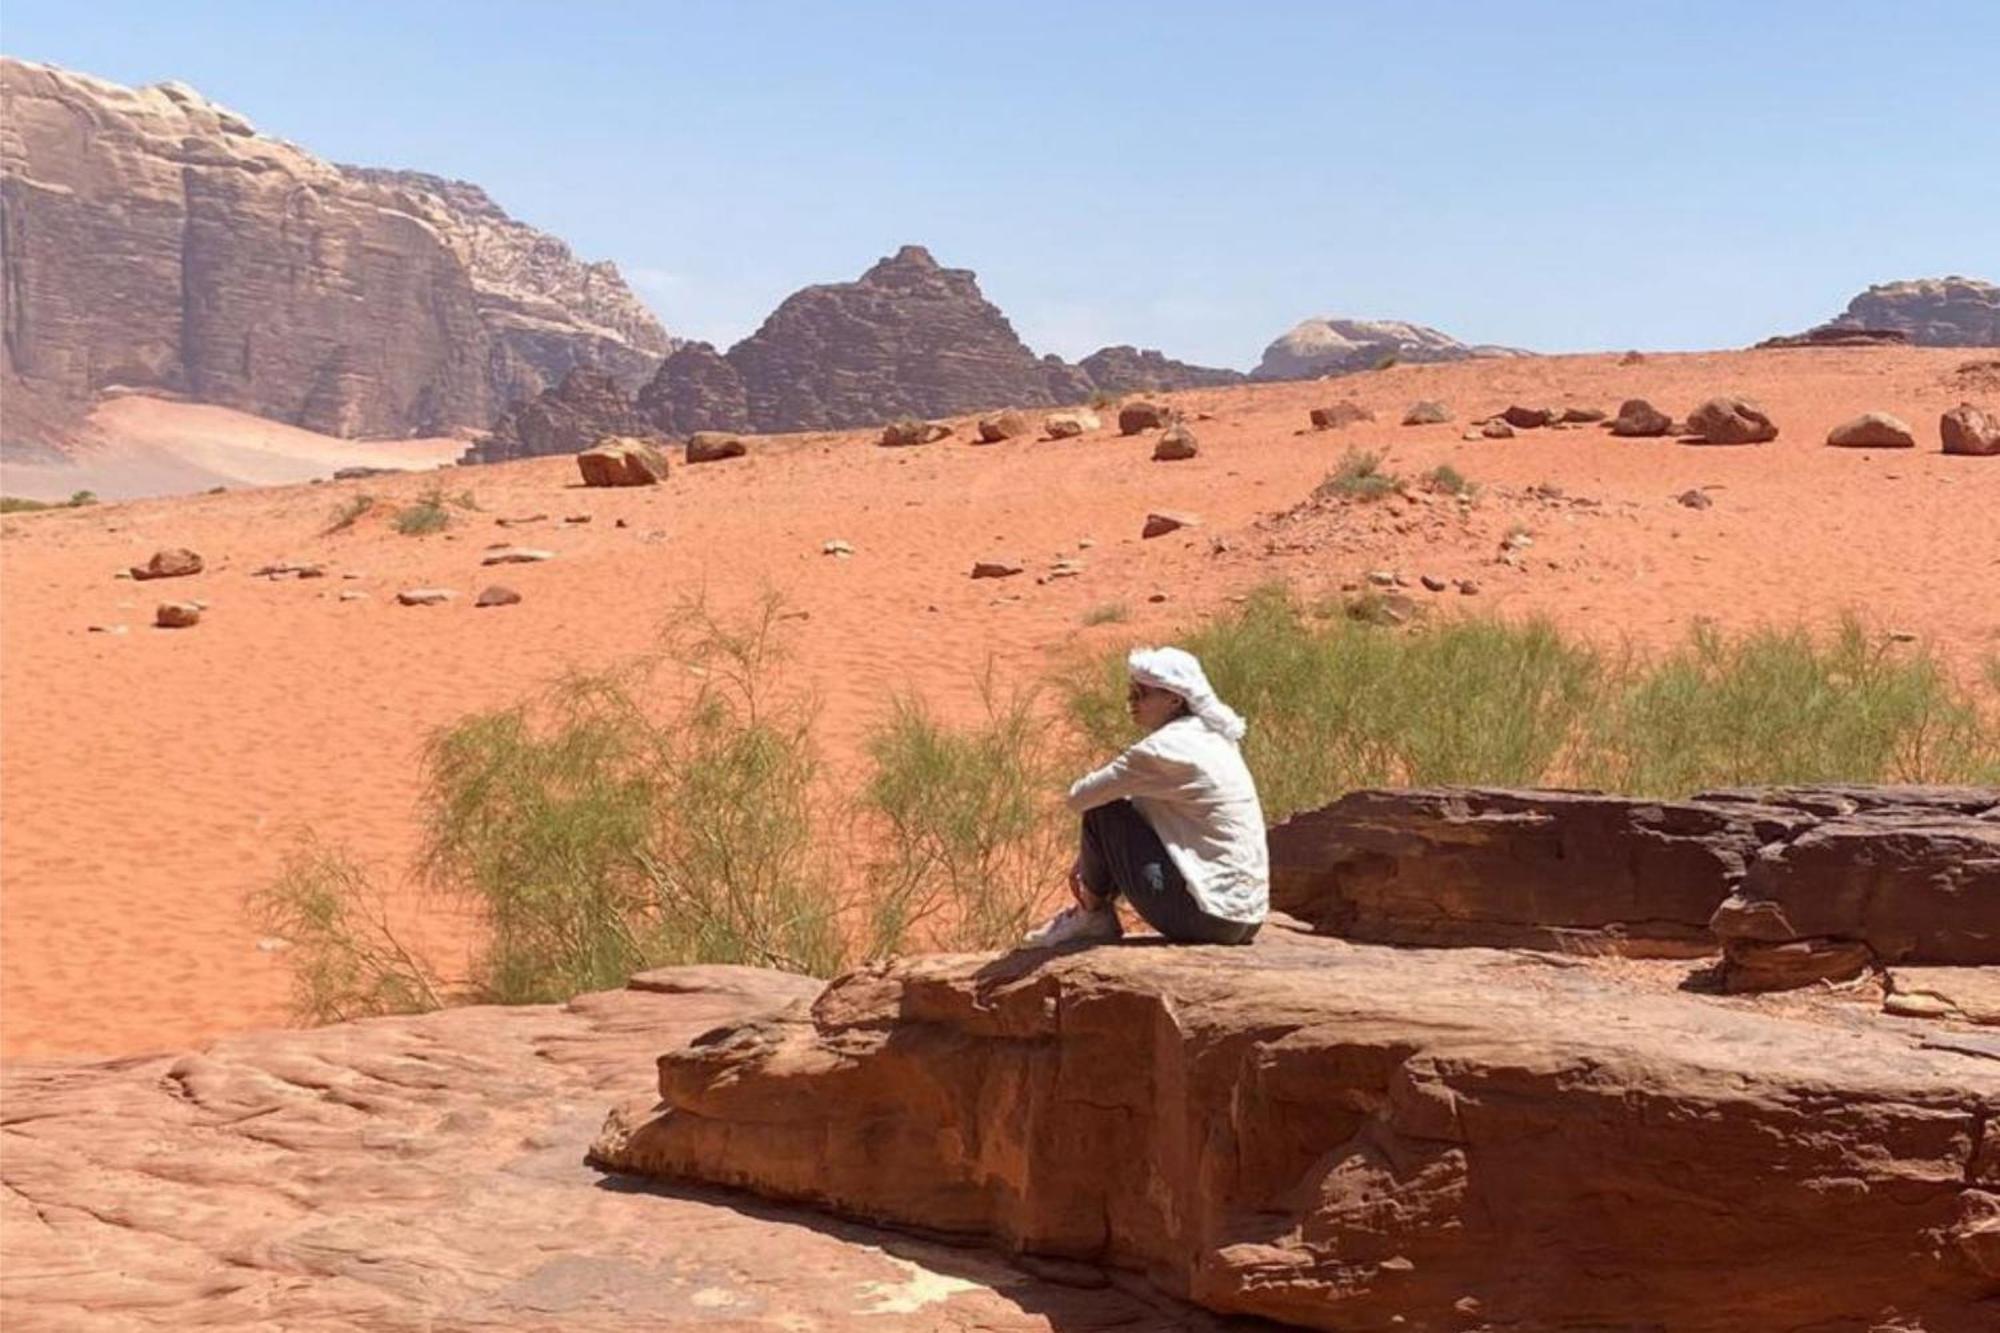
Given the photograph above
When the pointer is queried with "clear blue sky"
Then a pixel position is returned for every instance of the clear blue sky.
(1194, 177)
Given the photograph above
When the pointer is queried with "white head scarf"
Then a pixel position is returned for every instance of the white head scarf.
(1179, 671)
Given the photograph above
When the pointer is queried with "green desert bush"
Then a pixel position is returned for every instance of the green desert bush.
(1358, 476)
(1108, 613)
(346, 960)
(967, 823)
(1338, 704)
(428, 515)
(348, 513)
(1784, 706)
(1445, 479)
(598, 835)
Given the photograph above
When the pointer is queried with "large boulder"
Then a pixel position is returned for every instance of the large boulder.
(1339, 416)
(1346, 1137)
(1176, 443)
(1872, 430)
(1068, 425)
(1007, 425)
(909, 431)
(712, 446)
(622, 462)
(1135, 417)
(1970, 430)
(1639, 419)
(1521, 416)
(1731, 421)
(1540, 869)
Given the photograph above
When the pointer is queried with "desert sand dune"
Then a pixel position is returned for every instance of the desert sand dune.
(152, 778)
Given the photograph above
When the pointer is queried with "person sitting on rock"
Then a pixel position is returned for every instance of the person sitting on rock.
(1172, 825)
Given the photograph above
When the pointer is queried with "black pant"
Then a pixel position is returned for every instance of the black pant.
(1122, 856)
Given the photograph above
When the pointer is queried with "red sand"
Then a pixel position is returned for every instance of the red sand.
(149, 781)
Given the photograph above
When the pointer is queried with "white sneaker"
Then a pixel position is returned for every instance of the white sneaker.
(1073, 925)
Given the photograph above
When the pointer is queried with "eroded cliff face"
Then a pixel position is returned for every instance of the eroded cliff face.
(151, 239)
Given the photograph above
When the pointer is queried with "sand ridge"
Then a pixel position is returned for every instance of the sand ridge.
(149, 780)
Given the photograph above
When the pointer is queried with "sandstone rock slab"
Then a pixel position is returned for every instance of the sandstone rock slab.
(1067, 425)
(1176, 444)
(711, 446)
(1970, 431)
(1728, 420)
(1339, 415)
(1343, 1137)
(622, 462)
(1163, 521)
(175, 562)
(1872, 430)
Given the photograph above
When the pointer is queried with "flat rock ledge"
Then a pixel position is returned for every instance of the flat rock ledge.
(1791, 884)
(426, 1173)
(1342, 1136)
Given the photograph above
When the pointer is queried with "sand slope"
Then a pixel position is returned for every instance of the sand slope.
(148, 780)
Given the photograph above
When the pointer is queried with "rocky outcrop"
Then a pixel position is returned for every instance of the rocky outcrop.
(1127, 369)
(427, 1173)
(574, 415)
(1316, 347)
(695, 389)
(1539, 869)
(151, 239)
(1344, 1137)
(910, 338)
(1929, 312)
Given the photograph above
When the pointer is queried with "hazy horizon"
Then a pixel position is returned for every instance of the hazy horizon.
(1556, 177)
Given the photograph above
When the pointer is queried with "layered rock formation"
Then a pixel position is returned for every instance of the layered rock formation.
(1929, 312)
(1347, 1137)
(1316, 347)
(574, 415)
(1127, 369)
(427, 1173)
(151, 239)
(910, 338)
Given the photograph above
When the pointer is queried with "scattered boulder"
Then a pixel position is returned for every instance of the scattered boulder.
(622, 461)
(712, 446)
(1065, 425)
(1175, 444)
(1695, 499)
(497, 595)
(1582, 416)
(1640, 419)
(1496, 429)
(1163, 521)
(177, 615)
(1522, 417)
(1433, 583)
(1138, 416)
(1755, 965)
(516, 555)
(1970, 431)
(909, 431)
(1729, 420)
(996, 567)
(1872, 430)
(1340, 415)
(1633, 358)
(424, 596)
(175, 562)
(1007, 425)
(1429, 412)
(836, 547)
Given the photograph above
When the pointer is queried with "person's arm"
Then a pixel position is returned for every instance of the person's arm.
(1136, 772)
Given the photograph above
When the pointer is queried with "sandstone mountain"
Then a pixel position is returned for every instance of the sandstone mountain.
(1127, 369)
(1929, 312)
(153, 240)
(1316, 347)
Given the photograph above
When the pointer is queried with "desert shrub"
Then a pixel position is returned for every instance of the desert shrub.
(1444, 479)
(15, 504)
(1779, 706)
(346, 961)
(969, 831)
(1358, 476)
(598, 836)
(1108, 613)
(78, 499)
(1387, 361)
(428, 515)
(348, 513)
(1340, 704)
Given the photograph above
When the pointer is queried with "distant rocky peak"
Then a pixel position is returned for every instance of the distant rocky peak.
(1952, 311)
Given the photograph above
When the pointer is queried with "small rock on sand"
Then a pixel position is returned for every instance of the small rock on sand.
(1429, 412)
(1135, 417)
(1522, 417)
(425, 596)
(1970, 431)
(622, 461)
(1872, 430)
(172, 563)
(516, 555)
(1695, 499)
(497, 595)
(1176, 444)
(1163, 521)
(996, 567)
(1341, 414)
(1066, 425)
(1728, 420)
(1497, 429)
(177, 615)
